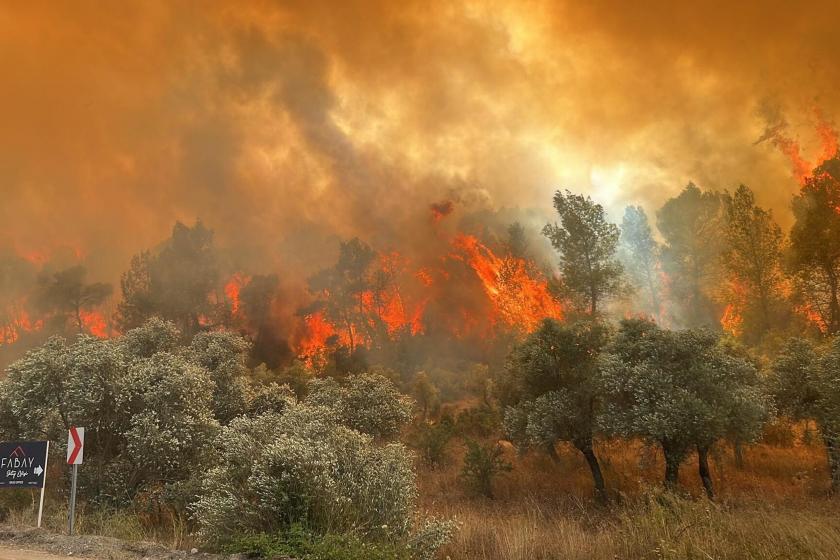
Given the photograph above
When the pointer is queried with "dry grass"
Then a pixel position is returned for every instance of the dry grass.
(774, 508)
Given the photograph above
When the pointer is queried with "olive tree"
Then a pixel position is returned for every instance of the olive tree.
(551, 387)
(806, 385)
(680, 389)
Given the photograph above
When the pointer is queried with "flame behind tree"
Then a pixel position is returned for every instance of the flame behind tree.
(752, 258)
(815, 245)
(176, 283)
(586, 243)
(64, 296)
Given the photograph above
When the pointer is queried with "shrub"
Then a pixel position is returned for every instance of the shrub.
(432, 440)
(482, 465)
(297, 542)
(481, 421)
(304, 467)
(367, 403)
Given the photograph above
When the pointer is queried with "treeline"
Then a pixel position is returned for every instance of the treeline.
(684, 391)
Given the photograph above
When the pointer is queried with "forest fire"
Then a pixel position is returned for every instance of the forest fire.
(516, 293)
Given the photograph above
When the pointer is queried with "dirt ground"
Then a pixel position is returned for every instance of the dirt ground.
(37, 544)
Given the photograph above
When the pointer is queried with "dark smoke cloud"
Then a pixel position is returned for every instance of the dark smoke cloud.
(286, 126)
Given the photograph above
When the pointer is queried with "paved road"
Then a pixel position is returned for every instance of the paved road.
(14, 554)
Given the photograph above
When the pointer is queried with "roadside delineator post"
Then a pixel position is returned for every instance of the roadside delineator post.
(75, 456)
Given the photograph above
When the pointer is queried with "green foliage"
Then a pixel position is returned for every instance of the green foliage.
(681, 389)
(482, 465)
(806, 385)
(586, 244)
(481, 421)
(432, 441)
(297, 542)
(558, 363)
(224, 355)
(305, 467)
(425, 393)
(367, 403)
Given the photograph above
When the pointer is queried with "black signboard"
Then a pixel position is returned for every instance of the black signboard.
(22, 464)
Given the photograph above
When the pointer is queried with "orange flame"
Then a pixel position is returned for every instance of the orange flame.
(520, 297)
(94, 323)
(232, 289)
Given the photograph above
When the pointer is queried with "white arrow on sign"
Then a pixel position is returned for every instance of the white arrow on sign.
(75, 446)
(38, 470)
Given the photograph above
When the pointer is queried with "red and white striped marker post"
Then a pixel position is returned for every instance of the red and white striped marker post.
(75, 456)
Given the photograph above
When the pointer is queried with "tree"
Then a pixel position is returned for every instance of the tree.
(680, 389)
(64, 294)
(691, 227)
(586, 243)
(425, 393)
(174, 283)
(642, 256)
(482, 465)
(752, 260)
(806, 386)
(517, 241)
(553, 392)
(343, 288)
(815, 244)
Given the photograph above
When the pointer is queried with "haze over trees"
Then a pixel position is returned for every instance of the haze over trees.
(690, 226)
(586, 244)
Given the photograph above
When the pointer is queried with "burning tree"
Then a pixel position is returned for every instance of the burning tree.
(175, 283)
(586, 243)
(752, 258)
(815, 245)
(64, 295)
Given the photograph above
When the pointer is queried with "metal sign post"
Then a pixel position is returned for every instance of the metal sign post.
(75, 456)
(43, 486)
(23, 464)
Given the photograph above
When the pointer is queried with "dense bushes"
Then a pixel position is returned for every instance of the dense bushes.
(192, 426)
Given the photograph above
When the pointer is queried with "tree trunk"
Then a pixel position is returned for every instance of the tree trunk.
(833, 451)
(672, 467)
(595, 468)
(552, 452)
(705, 474)
(739, 454)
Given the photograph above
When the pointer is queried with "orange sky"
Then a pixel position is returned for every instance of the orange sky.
(286, 125)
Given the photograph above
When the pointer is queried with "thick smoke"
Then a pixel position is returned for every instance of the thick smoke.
(286, 126)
